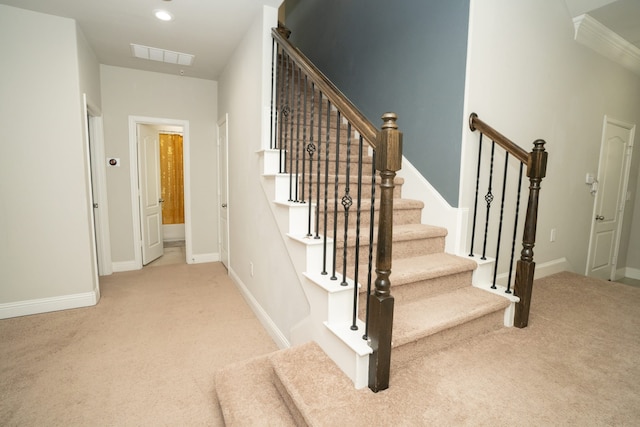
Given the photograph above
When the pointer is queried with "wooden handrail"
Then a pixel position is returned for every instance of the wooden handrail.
(337, 98)
(512, 148)
(536, 162)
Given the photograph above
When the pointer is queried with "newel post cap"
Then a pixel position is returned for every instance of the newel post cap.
(389, 145)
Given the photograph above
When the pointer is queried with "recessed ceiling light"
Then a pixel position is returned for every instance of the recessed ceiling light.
(163, 15)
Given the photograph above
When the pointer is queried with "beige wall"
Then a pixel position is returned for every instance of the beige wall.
(529, 78)
(127, 92)
(44, 209)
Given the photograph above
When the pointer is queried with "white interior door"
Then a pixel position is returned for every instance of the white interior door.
(149, 193)
(223, 208)
(613, 175)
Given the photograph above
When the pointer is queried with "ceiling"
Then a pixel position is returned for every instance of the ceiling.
(211, 29)
(208, 29)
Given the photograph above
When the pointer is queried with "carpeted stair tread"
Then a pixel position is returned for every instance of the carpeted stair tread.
(401, 233)
(398, 203)
(425, 267)
(323, 394)
(248, 395)
(422, 318)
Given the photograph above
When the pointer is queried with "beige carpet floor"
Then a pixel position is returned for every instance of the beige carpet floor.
(146, 356)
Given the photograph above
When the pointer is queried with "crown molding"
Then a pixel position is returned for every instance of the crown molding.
(591, 33)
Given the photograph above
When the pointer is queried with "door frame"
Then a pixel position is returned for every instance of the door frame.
(97, 178)
(625, 188)
(134, 121)
(224, 120)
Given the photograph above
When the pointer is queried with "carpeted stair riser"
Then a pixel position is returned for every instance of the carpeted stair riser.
(404, 212)
(366, 188)
(256, 400)
(407, 352)
(419, 239)
(292, 138)
(301, 159)
(296, 163)
(288, 400)
(416, 290)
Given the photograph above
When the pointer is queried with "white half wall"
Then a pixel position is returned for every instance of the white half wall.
(258, 259)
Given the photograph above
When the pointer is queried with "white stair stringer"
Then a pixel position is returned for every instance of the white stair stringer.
(330, 304)
(483, 279)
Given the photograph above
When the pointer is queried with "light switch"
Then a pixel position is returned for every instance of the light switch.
(590, 179)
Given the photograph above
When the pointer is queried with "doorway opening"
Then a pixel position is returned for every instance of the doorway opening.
(157, 144)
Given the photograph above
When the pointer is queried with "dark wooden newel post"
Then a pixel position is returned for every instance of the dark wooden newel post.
(388, 162)
(525, 268)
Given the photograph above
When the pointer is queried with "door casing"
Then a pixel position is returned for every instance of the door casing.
(223, 189)
(134, 121)
(619, 208)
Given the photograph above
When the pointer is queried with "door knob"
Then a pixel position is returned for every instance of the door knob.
(599, 217)
(224, 205)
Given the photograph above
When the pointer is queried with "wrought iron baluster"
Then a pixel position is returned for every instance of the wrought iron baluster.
(504, 190)
(335, 198)
(317, 236)
(311, 149)
(279, 107)
(286, 111)
(488, 198)
(347, 201)
(371, 228)
(475, 206)
(304, 141)
(292, 104)
(298, 110)
(515, 231)
(271, 117)
(326, 188)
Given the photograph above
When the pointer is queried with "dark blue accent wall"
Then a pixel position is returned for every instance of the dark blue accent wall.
(405, 56)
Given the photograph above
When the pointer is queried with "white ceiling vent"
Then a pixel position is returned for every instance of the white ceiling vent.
(162, 55)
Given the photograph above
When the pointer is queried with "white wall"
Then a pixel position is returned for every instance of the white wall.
(127, 92)
(254, 237)
(529, 79)
(45, 255)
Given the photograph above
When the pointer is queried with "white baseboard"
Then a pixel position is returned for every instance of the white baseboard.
(202, 258)
(120, 266)
(173, 232)
(266, 321)
(542, 270)
(45, 305)
(552, 267)
(632, 273)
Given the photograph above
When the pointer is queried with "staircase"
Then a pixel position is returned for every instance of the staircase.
(436, 306)
(441, 299)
